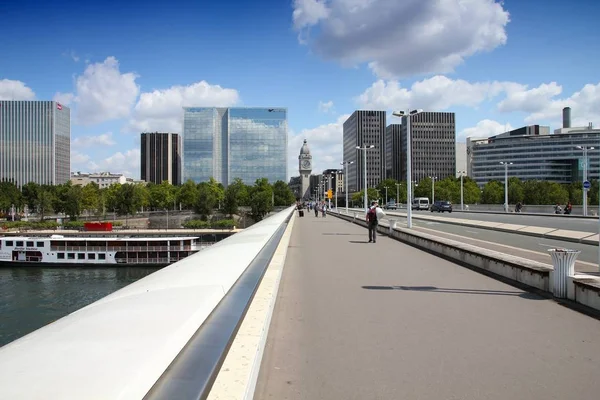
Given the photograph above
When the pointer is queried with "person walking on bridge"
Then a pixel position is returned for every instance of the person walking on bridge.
(374, 213)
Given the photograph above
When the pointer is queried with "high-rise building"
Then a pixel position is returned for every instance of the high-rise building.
(461, 158)
(365, 128)
(433, 151)
(235, 142)
(35, 142)
(393, 152)
(161, 158)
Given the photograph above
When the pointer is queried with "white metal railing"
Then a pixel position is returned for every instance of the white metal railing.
(130, 337)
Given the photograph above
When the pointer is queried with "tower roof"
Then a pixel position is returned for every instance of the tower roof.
(305, 149)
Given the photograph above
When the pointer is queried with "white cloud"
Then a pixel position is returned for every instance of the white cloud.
(105, 139)
(103, 93)
(529, 100)
(326, 106)
(325, 143)
(161, 110)
(544, 107)
(483, 129)
(15, 90)
(63, 98)
(400, 38)
(127, 163)
(435, 93)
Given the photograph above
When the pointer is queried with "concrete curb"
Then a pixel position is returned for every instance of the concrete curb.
(239, 373)
(583, 290)
(526, 213)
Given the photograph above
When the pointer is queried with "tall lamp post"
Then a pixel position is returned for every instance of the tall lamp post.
(408, 116)
(433, 178)
(338, 173)
(397, 195)
(364, 148)
(386, 198)
(462, 203)
(345, 165)
(585, 173)
(506, 164)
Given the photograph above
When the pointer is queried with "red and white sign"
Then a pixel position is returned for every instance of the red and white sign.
(58, 106)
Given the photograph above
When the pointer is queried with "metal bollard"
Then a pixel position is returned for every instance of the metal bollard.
(563, 261)
(392, 225)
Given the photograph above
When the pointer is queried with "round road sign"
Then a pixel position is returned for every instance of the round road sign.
(587, 185)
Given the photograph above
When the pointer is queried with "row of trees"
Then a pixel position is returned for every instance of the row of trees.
(526, 192)
(128, 199)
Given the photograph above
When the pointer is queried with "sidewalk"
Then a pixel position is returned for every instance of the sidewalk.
(357, 320)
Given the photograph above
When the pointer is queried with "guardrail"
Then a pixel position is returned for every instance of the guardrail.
(164, 336)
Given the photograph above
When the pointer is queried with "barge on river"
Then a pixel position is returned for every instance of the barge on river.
(60, 251)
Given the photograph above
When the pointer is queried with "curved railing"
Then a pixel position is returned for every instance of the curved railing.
(162, 337)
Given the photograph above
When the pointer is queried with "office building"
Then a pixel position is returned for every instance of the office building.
(102, 179)
(334, 180)
(235, 142)
(161, 158)
(35, 142)
(365, 128)
(393, 152)
(433, 151)
(535, 154)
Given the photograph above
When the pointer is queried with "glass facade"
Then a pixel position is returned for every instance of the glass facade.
(554, 158)
(35, 142)
(257, 144)
(160, 158)
(230, 143)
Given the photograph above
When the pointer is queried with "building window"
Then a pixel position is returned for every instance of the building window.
(29, 244)
(9, 243)
(101, 256)
(71, 256)
(19, 243)
(91, 256)
(81, 256)
(60, 256)
(40, 244)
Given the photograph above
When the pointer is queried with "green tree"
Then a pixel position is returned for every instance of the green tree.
(188, 194)
(471, 191)
(44, 201)
(90, 197)
(448, 189)
(372, 194)
(9, 195)
(516, 192)
(533, 192)
(493, 193)
(243, 192)
(162, 196)
(207, 200)
(111, 197)
(71, 200)
(390, 185)
(261, 199)
(423, 188)
(29, 192)
(556, 194)
(283, 195)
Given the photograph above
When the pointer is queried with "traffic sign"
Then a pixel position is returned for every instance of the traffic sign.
(587, 185)
(329, 194)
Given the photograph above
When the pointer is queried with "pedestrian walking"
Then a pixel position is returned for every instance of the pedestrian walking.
(374, 213)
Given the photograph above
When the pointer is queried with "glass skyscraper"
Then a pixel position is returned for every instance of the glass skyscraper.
(35, 142)
(235, 142)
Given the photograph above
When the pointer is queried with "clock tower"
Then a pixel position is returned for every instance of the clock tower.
(305, 168)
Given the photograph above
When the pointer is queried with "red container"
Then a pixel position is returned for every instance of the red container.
(98, 226)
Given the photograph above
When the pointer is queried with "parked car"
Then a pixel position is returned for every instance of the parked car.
(391, 205)
(441, 206)
(420, 203)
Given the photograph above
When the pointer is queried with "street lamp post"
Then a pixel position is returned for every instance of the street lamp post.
(433, 178)
(506, 164)
(408, 162)
(345, 164)
(462, 203)
(397, 194)
(386, 198)
(585, 173)
(364, 148)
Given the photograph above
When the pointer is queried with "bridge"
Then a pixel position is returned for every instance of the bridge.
(306, 308)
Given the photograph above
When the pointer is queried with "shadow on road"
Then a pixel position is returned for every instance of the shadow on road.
(524, 295)
(359, 241)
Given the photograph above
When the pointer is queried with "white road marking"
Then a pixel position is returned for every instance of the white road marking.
(547, 245)
(472, 232)
(506, 246)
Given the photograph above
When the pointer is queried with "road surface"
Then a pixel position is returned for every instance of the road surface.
(356, 321)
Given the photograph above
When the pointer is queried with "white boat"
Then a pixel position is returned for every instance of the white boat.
(60, 250)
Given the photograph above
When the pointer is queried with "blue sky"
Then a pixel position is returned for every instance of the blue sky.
(124, 69)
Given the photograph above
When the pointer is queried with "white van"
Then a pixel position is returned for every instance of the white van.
(420, 203)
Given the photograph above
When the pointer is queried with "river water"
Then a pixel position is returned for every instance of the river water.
(33, 297)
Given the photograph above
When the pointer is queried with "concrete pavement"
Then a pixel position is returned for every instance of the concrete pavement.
(355, 320)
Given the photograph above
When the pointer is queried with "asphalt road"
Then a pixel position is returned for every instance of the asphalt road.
(355, 320)
(559, 222)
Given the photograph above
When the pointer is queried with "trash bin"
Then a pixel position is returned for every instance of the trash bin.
(392, 224)
(563, 261)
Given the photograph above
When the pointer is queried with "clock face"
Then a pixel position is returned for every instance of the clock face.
(305, 164)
